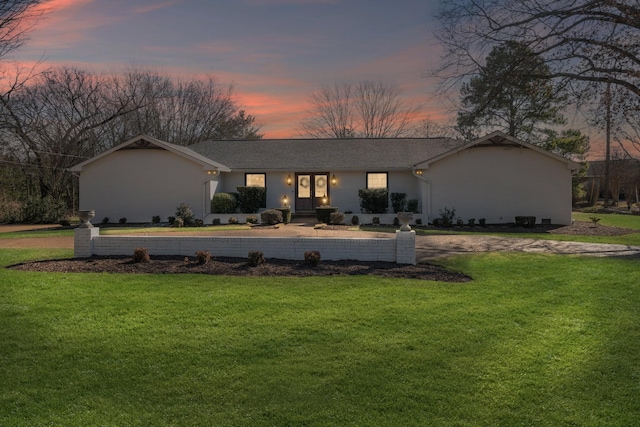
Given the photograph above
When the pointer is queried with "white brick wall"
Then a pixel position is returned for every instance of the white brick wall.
(401, 249)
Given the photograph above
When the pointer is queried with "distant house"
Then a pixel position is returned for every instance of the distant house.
(496, 177)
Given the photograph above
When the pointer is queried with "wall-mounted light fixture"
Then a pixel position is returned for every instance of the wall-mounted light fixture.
(289, 180)
(418, 171)
(212, 172)
(334, 180)
(285, 201)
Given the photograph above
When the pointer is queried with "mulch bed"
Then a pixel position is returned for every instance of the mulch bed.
(239, 267)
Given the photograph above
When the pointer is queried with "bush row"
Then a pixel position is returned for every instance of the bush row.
(254, 258)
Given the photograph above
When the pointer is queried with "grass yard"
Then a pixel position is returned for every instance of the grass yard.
(533, 340)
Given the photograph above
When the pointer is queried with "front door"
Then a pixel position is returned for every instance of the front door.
(311, 189)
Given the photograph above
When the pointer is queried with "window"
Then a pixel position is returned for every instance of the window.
(376, 180)
(255, 180)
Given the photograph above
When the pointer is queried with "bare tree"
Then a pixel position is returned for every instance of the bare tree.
(17, 17)
(582, 40)
(332, 113)
(368, 109)
(183, 112)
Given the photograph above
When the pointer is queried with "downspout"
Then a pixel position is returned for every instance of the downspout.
(426, 194)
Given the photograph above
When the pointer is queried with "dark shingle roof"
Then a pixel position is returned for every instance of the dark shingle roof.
(322, 154)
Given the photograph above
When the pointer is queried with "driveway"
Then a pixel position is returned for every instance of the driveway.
(427, 247)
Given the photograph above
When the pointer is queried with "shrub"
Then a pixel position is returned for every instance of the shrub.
(215, 221)
(198, 222)
(64, 222)
(252, 199)
(472, 222)
(141, 255)
(224, 203)
(312, 258)
(232, 220)
(178, 222)
(271, 216)
(374, 200)
(184, 211)
(375, 220)
(46, 210)
(155, 219)
(252, 220)
(286, 214)
(171, 219)
(396, 221)
(525, 221)
(446, 216)
(10, 211)
(482, 222)
(336, 218)
(255, 258)
(203, 257)
(459, 222)
(122, 220)
(399, 202)
(323, 214)
(105, 220)
(355, 220)
(412, 205)
(418, 221)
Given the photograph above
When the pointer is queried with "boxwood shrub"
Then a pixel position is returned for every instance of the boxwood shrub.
(374, 200)
(224, 203)
(252, 199)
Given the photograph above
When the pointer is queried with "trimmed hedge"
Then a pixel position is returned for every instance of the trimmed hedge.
(224, 203)
(374, 200)
(252, 199)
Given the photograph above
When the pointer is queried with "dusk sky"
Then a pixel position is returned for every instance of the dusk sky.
(275, 52)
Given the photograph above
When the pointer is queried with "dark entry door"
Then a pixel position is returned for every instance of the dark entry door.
(311, 189)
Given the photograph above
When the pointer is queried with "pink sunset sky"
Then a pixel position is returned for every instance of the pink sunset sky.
(274, 52)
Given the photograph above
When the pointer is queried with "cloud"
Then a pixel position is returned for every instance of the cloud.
(158, 6)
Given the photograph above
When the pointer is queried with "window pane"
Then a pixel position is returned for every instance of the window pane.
(255, 180)
(304, 186)
(376, 180)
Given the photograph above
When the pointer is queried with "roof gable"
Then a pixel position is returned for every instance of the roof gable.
(145, 142)
(499, 139)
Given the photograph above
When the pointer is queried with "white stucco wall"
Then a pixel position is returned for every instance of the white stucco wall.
(138, 184)
(499, 183)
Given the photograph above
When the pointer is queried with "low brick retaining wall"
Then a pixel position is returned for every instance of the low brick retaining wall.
(401, 249)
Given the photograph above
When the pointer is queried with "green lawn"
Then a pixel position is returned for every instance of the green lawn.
(533, 340)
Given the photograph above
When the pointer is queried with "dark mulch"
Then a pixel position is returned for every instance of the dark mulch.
(239, 267)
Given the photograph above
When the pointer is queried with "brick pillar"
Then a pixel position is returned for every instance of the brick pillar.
(406, 247)
(83, 241)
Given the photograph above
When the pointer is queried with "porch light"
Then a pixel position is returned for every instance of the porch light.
(285, 201)
(325, 200)
(289, 180)
(212, 172)
(418, 171)
(334, 180)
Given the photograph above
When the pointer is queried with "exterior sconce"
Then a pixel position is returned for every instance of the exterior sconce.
(334, 180)
(418, 171)
(289, 180)
(285, 201)
(212, 172)
(325, 200)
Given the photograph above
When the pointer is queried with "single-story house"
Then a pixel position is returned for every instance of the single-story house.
(496, 177)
